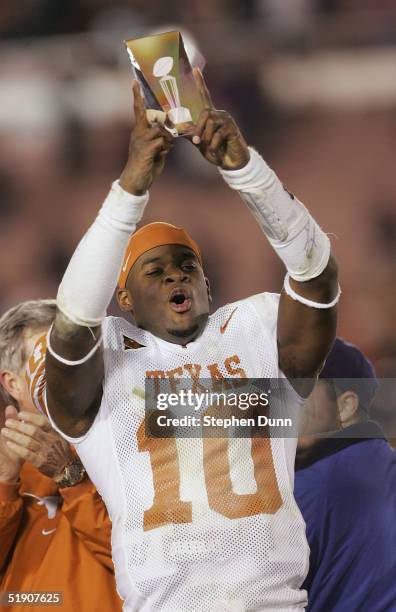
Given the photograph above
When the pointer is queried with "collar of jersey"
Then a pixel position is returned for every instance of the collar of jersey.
(149, 340)
(173, 347)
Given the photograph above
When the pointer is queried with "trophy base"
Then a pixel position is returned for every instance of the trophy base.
(179, 115)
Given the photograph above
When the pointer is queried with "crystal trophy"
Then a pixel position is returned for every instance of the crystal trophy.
(161, 65)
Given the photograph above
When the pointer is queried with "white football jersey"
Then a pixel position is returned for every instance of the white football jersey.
(204, 524)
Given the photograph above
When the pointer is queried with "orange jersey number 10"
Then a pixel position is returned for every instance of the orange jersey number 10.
(167, 506)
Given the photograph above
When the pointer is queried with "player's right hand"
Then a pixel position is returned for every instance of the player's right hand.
(10, 462)
(148, 146)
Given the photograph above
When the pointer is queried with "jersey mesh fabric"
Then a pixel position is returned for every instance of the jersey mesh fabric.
(207, 560)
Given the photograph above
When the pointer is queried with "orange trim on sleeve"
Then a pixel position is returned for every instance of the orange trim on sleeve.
(35, 374)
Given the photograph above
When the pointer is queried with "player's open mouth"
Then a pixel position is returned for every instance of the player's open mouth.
(179, 300)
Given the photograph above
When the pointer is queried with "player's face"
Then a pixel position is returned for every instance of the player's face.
(169, 294)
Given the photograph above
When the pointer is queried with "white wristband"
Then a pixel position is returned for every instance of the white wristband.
(251, 176)
(69, 362)
(299, 298)
(91, 276)
(293, 233)
(123, 210)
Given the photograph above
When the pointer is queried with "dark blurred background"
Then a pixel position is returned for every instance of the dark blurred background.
(312, 85)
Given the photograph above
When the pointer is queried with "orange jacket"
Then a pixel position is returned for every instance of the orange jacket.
(56, 540)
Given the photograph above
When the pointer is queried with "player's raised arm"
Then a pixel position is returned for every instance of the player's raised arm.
(74, 363)
(307, 310)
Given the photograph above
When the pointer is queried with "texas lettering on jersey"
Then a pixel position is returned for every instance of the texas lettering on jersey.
(231, 369)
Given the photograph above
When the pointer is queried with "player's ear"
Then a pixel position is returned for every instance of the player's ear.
(348, 404)
(124, 300)
(208, 288)
(11, 383)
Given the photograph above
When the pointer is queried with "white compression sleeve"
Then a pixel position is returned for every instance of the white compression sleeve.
(91, 276)
(293, 233)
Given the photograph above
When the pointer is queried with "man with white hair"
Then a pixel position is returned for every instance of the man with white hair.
(52, 519)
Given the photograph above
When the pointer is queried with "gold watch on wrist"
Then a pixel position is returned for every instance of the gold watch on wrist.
(72, 474)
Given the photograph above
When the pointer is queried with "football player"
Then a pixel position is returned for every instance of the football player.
(196, 527)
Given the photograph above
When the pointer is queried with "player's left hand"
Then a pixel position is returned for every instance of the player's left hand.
(216, 133)
(32, 438)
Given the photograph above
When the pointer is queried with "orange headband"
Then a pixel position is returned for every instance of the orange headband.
(150, 236)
